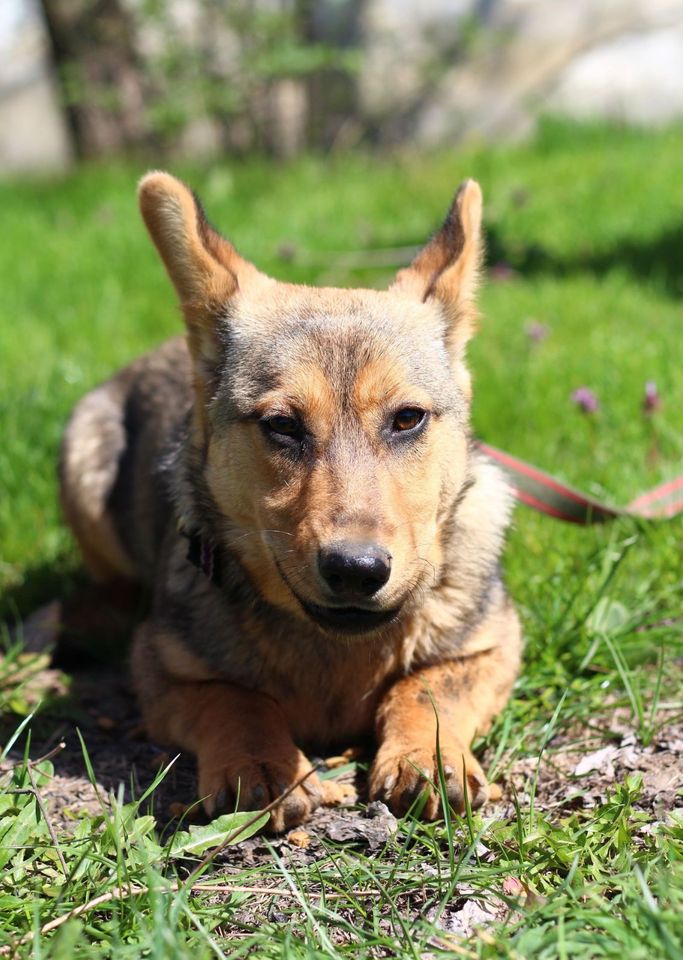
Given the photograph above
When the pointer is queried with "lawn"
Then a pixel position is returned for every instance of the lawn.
(583, 856)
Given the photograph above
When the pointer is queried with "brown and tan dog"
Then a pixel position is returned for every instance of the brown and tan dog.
(297, 484)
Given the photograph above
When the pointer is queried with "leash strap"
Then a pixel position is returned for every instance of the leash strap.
(545, 493)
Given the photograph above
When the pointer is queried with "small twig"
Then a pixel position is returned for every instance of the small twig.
(123, 893)
(30, 765)
(50, 755)
(46, 818)
(212, 854)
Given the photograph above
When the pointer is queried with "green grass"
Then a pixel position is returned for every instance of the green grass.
(590, 219)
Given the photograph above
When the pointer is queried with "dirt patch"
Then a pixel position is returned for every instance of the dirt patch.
(576, 770)
(581, 765)
(99, 704)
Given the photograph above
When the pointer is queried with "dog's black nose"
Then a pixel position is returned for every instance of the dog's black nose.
(354, 570)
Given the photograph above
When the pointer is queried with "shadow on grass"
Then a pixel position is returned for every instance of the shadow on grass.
(76, 679)
(98, 705)
(39, 585)
(658, 259)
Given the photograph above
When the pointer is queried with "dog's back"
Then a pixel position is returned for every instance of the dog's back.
(113, 491)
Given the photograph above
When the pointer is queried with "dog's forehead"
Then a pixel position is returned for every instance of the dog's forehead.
(341, 334)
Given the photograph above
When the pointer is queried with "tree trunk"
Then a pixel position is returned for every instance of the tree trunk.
(101, 77)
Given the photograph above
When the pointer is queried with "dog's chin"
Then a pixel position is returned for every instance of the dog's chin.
(349, 620)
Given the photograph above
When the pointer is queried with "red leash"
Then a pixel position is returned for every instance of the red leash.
(548, 495)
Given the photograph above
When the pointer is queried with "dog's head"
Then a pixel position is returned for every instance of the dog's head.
(332, 424)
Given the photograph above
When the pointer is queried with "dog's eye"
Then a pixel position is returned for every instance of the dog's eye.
(283, 428)
(410, 418)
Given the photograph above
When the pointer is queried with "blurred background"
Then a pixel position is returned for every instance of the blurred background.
(198, 78)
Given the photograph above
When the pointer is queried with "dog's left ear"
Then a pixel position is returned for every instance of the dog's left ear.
(447, 269)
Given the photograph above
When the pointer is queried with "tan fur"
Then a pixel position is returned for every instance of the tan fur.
(242, 671)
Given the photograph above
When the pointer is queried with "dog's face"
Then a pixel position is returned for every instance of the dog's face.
(332, 423)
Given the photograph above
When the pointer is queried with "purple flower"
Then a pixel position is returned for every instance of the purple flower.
(502, 271)
(651, 400)
(536, 331)
(584, 398)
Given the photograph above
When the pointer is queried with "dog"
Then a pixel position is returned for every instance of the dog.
(296, 483)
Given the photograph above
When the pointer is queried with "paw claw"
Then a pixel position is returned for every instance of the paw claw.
(406, 771)
(255, 781)
(389, 784)
(478, 789)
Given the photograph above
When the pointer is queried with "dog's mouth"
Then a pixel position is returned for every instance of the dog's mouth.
(348, 619)
(342, 619)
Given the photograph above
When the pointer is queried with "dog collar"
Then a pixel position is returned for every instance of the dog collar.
(204, 555)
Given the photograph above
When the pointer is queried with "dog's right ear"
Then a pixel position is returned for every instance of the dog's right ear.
(205, 269)
(447, 269)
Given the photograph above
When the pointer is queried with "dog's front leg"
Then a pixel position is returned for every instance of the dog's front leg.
(245, 753)
(465, 694)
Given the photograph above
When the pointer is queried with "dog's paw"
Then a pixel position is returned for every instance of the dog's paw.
(403, 771)
(251, 783)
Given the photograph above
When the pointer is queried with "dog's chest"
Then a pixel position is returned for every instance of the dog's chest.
(325, 711)
(330, 698)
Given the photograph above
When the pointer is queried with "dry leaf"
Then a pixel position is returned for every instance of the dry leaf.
(299, 838)
(512, 887)
(333, 762)
(374, 829)
(600, 761)
(353, 753)
(335, 793)
(495, 792)
(473, 914)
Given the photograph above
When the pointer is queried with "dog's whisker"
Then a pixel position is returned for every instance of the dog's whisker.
(231, 541)
(433, 569)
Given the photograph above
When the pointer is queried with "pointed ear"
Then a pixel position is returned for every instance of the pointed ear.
(205, 269)
(447, 269)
